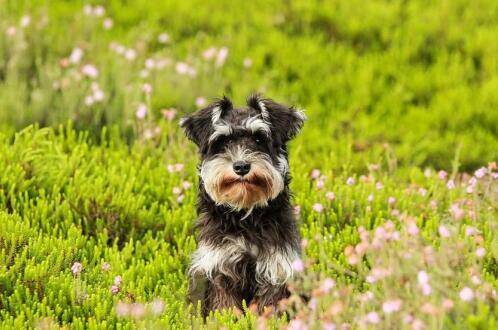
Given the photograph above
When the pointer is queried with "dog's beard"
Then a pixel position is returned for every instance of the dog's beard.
(263, 183)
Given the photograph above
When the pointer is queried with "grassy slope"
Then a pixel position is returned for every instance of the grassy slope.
(405, 86)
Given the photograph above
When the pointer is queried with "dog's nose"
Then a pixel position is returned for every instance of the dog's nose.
(241, 168)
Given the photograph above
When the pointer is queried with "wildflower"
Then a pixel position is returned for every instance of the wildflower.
(298, 265)
(141, 111)
(107, 23)
(106, 266)
(186, 185)
(25, 21)
(480, 172)
(466, 294)
(90, 71)
(296, 210)
(422, 277)
(353, 259)
(114, 289)
(180, 198)
(137, 311)
(444, 232)
(304, 243)
(76, 55)
(469, 189)
(89, 100)
(412, 228)
(447, 304)
(182, 68)
(177, 191)
(456, 211)
(367, 296)
(407, 319)
(475, 279)
(118, 280)
(329, 326)
(428, 308)
(99, 11)
(319, 184)
(200, 101)
(391, 200)
(417, 324)
(469, 231)
(169, 114)
(370, 198)
(379, 185)
(98, 95)
(147, 88)
(209, 53)
(442, 175)
(450, 184)
(221, 57)
(130, 54)
(157, 307)
(422, 192)
(330, 195)
(76, 268)
(315, 173)
(317, 207)
(426, 289)
(327, 284)
(480, 252)
(163, 38)
(122, 309)
(372, 318)
(391, 306)
(11, 31)
(350, 181)
(247, 63)
(297, 324)
(88, 10)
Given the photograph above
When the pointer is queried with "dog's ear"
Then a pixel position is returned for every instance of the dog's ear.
(199, 125)
(286, 120)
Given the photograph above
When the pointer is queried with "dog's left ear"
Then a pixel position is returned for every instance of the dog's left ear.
(287, 120)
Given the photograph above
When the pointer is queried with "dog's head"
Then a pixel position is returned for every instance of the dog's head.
(243, 150)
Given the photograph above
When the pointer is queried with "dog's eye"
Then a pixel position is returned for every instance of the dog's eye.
(259, 138)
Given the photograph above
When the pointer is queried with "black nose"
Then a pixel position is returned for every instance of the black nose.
(241, 168)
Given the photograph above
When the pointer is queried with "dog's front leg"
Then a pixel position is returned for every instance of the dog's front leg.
(223, 292)
(268, 295)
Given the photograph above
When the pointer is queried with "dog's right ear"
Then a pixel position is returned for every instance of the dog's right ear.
(200, 125)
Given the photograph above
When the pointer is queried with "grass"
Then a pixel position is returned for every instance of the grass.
(395, 93)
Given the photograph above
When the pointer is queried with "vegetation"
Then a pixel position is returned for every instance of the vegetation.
(394, 174)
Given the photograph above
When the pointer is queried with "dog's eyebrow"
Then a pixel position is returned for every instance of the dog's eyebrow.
(220, 126)
(255, 124)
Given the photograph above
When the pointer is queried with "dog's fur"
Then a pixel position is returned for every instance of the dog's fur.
(248, 238)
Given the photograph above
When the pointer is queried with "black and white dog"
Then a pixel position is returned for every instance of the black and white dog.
(248, 238)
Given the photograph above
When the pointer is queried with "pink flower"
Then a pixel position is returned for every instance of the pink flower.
(157, 307)
(315, 173)
(169, 114)
(391, 200)
(317, 207)
(327, 285)
(330, 195)
(76, 268)
(447, 304)
(177, 190)
(481, 172)
(141, 111)
(221, 57)
(209, 53)
(90, 71)
(370, 198)
(319, 184)
(147, 88)
(163, 38)
(442, 175)
(106, 266)
(480, 252)
(186, 185)
(469, 231)
(137, 311)
(422, 277)
(11, 31)
(379, 185)
(108, 23)
(422, 192)
(444, 232)
(298, 265)
(456, 211)
(114, 289)
(372, 318)
(297, 324)
(88, 10)
(304, 243)
(367, 296)
(426, 289)
(412, 228)
(350, 181)
(180, 198)
(150, 64)
(98, 11)
(466, 294)
(122, 309)
(247, 63)
(450, 184)
(89, 100)
(76, 55)
(118, 280)
(296, 210)
(182, 68)
(200, 101)
(391, 306)
(130, 54)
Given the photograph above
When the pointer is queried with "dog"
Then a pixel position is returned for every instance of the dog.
(247, 233)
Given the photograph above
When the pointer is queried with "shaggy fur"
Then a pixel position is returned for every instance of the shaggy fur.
(247, 234)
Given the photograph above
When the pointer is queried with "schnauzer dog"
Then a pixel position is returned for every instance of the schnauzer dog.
(248, 237)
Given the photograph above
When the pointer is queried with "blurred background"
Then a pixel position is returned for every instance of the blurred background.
(416, 78)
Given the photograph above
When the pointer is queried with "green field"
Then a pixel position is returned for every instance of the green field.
(394, 173)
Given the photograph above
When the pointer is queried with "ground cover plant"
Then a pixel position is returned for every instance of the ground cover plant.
(394, 174)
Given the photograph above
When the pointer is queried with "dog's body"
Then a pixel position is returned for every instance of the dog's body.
(248, 238)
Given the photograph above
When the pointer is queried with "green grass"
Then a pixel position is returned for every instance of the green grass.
(407, 86)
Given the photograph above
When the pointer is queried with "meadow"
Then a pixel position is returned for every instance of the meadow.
(394, 173)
